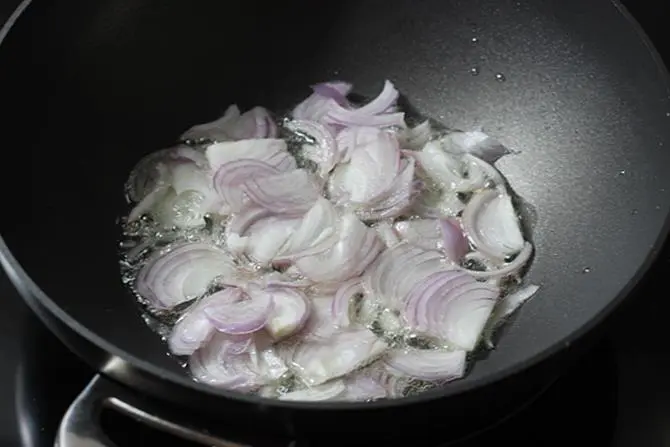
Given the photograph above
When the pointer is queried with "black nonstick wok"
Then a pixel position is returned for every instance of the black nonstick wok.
(89, 87)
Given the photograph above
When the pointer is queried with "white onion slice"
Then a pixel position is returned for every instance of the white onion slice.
(451, 306)
(371, 170)
(327, 391)
(255, 123)
(182, 274)
(506, 307)
(428, 364)
(492, 225)
(319, 325)
(318, 362)
(237, 316)
(356, 248)
(221, 364)
(361, 386)
(415, 138)
(315, 234)
(476, 143)
(289, 313)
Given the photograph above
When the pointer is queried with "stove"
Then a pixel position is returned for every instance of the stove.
(616, 395)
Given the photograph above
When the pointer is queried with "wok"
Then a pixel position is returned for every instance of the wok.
(89, 87)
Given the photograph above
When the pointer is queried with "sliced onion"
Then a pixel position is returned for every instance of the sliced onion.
(436, 203)
(397, 198)
(416, 138)
(182, 274)
(342, 302)
(447, 170)
(265, 238)
(326, 95)
(221, 364)
(506, 307)
(454, 242)
(269, 150)
(237, 316)
(334, 90)
(371, 114)
(327, 391)
(428, 364)
(230, 177)
(492, 225)
(315, 234)
(292, 193)
(324, 150)
(215, 130)
(451, 306)
(356, 248)
(360, 386)
(350, 138)
(506, 269)
(476, 143)
(388, 234)
(256, 123)
(398, 269)
(289, 313)
(195, 329)
(318, 362)
(371, 170)
(149, 173)
(150, 202)
(423, 233)
(319, 326)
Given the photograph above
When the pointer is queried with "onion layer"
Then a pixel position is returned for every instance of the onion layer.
(183, 273)
(318, 362)
(428, 364)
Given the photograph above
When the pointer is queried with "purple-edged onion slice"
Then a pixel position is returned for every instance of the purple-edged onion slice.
(428, 364)
(220, 363)
(237, 315)
(398, 269)
(293, 192)
(451, 306)
(183, 273)
(343, 300)
(492, 225)
(269, 150)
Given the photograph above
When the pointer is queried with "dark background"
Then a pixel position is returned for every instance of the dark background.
(637, 330)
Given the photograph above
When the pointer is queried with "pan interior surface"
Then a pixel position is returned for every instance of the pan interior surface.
(90, 87)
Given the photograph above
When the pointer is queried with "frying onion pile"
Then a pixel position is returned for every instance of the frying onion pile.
(335, 254)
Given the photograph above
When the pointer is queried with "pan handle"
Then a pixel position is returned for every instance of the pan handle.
(80, 426)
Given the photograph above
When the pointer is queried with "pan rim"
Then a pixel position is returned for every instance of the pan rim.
(28, 288)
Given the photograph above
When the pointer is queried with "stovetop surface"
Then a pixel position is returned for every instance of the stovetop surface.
(617, 396)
